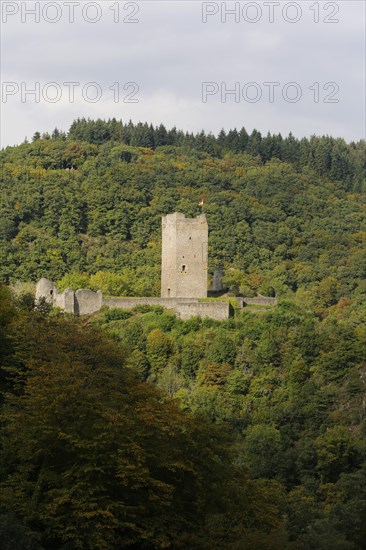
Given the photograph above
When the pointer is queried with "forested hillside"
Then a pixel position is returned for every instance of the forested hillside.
(283, 214)
(135, 429)
(93, 458)
(254, 438)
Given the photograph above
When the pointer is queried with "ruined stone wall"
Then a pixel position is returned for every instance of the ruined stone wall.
(87, 301)
(130, 303)
(50, 293)
(185, 308)
(184, 256)
(214, 310)
(65, 300)
(81, 302)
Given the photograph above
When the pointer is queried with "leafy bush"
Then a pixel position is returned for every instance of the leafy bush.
(116, 314)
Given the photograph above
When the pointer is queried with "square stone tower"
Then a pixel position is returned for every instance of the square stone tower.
(184, 256)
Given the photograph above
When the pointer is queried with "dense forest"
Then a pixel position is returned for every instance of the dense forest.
(135, 429)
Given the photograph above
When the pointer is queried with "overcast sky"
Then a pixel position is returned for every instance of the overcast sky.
(292, 66)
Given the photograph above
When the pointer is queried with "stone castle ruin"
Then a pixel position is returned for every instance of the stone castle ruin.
(183, 278)
(184, 256)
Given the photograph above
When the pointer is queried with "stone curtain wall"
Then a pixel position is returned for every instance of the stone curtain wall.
(86, 302)
(214, 310)
(130, 303)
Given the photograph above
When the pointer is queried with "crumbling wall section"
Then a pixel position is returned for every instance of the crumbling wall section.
(87, 301)
(213, 310)
(130, 303)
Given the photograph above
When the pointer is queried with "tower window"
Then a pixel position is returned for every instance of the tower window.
(183, 268)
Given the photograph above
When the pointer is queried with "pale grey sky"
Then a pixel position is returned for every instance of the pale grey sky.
(182, 56)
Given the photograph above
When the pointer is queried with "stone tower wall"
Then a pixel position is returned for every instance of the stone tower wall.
(184, 256)
(168, 256)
